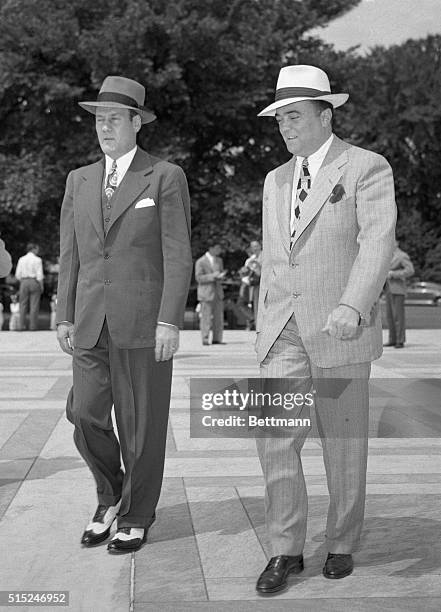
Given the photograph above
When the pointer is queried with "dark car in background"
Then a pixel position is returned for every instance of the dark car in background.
(423, 293)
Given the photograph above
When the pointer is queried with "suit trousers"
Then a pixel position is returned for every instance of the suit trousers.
(396, 318)
(139, 389)
(342, 423)
(212, 317)
(29, 298)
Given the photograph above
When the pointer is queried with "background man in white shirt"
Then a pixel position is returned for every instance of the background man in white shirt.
(29, 272)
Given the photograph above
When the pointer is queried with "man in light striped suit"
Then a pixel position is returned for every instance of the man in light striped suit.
(328, 234)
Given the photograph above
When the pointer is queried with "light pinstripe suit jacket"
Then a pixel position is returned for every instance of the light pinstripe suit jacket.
(341, 254)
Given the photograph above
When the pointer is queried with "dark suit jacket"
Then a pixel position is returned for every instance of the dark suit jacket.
(139, 272)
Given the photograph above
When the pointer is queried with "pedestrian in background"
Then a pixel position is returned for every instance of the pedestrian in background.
(14, 308)
(209, 273)
(250, 281)
(401, 268)
(5, 260)
(29, 272)
(254, 265)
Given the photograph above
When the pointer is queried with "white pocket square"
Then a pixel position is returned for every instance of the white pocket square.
(144, 203)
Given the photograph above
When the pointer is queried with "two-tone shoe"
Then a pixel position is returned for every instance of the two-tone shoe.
(98, 529)
(129, 539)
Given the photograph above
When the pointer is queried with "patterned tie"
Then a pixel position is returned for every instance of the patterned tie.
(112, 181)
(303, 187)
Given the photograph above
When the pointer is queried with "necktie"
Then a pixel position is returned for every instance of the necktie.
(303, 187)
(112, 181)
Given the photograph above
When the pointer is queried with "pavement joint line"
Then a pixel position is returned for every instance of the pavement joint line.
(132, 583)
(172, 433)
(250, 521)
(21, 481)
(15, 431)
(195, 539)
(34, 459)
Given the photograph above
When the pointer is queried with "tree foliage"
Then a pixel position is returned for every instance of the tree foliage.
(395, 110)
(208, 67)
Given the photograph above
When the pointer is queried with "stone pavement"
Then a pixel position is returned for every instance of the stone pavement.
(208, 544)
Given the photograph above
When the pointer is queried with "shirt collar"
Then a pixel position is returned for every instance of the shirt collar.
(316, 159)
(122, 163)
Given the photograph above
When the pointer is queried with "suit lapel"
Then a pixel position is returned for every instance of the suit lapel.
(283, 201)
(326, 179)
(208, 263)
(91, 195)
(135, 181)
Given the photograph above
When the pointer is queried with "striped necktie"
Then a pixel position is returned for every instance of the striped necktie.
(303, 187)
(112, 181)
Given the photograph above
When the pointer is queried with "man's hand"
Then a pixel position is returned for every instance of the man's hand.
(342, 323)
(65, 336)
(167, 342)
(220, 275)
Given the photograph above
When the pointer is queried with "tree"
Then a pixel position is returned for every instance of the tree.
(208, 66)
(395, 111)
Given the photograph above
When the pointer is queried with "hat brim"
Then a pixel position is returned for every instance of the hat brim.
(146, 115)
(335, 99)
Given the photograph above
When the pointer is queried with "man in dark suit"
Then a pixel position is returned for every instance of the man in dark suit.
(125, 268)
(209, 273)
(401, 268)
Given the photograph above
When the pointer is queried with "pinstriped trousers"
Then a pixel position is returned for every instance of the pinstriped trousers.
(342, 423)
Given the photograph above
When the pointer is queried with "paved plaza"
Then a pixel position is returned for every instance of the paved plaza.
(208, 544)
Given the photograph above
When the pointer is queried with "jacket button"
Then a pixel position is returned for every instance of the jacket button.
(296, 295)
(107, 281)
(107, 219)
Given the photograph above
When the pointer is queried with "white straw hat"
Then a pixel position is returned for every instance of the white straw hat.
(297, 83)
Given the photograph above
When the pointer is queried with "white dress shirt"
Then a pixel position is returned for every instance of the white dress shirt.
(122, 165)
(29, 266)
(315, 160)
(210, 258)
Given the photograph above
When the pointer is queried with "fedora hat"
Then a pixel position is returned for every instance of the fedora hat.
(119, 92)
(297, 83)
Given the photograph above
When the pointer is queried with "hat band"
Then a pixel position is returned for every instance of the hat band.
(299, 92)
(110, 96)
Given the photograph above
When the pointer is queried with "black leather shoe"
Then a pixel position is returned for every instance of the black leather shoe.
(120, 545)
(399, 345)
(338, 566)
(217, 342)
(273, 577)
(99, 529)
(389, 344)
